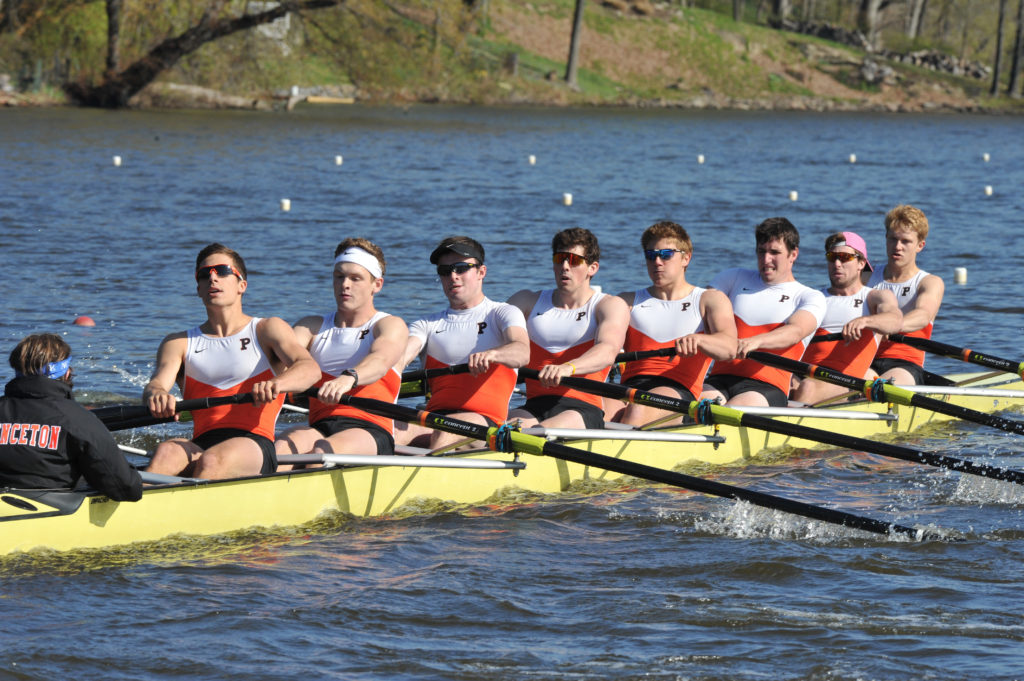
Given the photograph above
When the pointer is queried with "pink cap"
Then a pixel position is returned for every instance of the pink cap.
(853, 240)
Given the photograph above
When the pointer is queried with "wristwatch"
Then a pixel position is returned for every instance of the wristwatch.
(353, 374)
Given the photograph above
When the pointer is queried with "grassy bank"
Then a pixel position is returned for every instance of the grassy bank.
(509, 51)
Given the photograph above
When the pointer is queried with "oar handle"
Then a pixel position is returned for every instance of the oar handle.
(423, 374)
(635, 355)
(827, 337)
(136, 415)
(805, 369)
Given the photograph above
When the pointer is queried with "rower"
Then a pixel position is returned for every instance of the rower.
(49, 441)
(673, 313)
(488, 336)
(229, 353)
(356, 348)
(774, 312)
(574, 330)
(861, 313)
(918, 293)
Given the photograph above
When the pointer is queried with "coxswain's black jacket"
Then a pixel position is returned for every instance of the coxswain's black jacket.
(49, 441)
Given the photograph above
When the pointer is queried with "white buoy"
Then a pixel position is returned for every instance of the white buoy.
(286, 205)
(567, 199)
(793, 195)
(117, 161)
(988, 190)
(853, 158)
(960, 275)
(700, 159)
(338, 160)
(532, 159)
(985, 157)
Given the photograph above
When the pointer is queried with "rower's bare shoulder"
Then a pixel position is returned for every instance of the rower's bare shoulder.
(524, 299)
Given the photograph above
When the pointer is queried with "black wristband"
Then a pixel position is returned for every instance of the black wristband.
(353, 374)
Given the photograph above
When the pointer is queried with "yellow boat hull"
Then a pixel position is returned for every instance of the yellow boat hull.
(291, 499)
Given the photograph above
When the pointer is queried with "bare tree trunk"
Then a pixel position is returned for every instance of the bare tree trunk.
(116, 89)
(781, 9)
(10, 16)
(737, 9)
(113, 35)
(997, 65)
(808, 10)
(574, 45)
(914, 18)
(1013, 89)
(867, 20)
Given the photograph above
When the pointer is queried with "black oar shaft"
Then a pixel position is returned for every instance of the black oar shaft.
(888, 392)
(538, 445)
(964, 354)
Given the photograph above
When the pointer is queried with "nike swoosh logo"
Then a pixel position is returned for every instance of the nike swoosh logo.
(198, 350)
(438, 330)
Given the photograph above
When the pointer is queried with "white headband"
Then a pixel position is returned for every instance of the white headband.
(360, 256)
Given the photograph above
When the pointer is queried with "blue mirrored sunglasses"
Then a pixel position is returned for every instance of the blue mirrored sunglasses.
(663, 253)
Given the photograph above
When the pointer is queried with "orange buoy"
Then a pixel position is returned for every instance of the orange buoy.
(84, 321)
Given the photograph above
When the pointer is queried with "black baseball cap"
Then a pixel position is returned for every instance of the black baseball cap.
(460, 245)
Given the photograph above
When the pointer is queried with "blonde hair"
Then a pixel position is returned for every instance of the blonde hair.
(909, 218)
(667, 230)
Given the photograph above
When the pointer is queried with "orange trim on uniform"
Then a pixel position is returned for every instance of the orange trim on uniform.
(748, 368)
(385, 390)
(539, 357)
(259, 419)
(487, 394)
(687, 371)
(890, 350)
(854, 358)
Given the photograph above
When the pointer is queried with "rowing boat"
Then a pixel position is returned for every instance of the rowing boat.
(64, 521)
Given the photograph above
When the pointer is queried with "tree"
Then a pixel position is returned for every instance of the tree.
(915, 16)
(998, 62)
(119, 85)
(868, 16)
(737, 10)
(574, 45)
(1013, 89)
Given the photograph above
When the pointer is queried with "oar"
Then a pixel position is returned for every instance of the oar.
(929, 377)
(881, 391)
(964, 354)
(735, 417)
(131, 412)
(504, 439)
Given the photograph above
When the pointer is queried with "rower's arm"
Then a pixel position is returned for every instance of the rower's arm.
(300, 370)
(413, 347)
(799, 325)
(612, 316)
(170, 360)
(926, 307)
(885, 315)
(390, 335)
(514, 353)
(718, 341)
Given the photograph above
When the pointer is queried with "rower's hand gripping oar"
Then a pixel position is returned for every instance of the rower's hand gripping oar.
(882, 391)
(963, 354)
(505, 439)
(412, 381)
(128, 413)
(706, 412)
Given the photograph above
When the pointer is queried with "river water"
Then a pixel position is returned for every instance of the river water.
(645, 582)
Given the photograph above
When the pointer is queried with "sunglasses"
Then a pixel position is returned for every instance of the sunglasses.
(459, 268)
(203, 273)
(841, 256)
(663, 253)
(574, 260)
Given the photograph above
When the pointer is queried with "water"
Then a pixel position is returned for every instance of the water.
(624, 583)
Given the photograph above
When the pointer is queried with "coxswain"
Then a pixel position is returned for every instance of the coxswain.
(862, 314)
(673, 313)
(357, 348)
(49, 441)
(574, 330)
(488, 336)
(774, 312)
(228, 354)
(918, 294)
